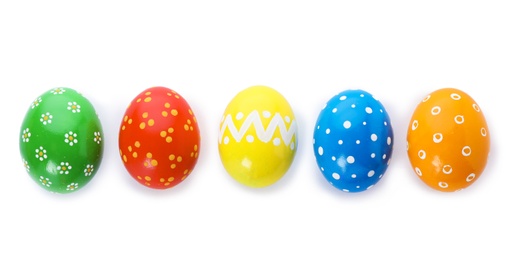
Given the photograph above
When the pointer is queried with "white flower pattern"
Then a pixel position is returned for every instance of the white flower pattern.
(45, 181)
(97, 137)
(64, 168)
(25, 164)
(72, 186)
(74, 107)
(71, 138)
(58, 91)
(40, 153)
(46, 118)
(26, 135)
(36, 102)
(88, 170)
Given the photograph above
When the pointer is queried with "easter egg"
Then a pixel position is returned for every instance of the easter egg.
(353, 141)
(448, 140)
(258, 137)
(159, 138)
(61, 140)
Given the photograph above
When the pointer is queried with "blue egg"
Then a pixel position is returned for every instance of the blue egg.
(353, 141)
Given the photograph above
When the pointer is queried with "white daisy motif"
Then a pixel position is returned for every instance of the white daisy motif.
(36, 102)
(40, 153)
(74, 107)
(25, 164)
(58, 91)
(45, 181)
(64, 168)
(46, 118)
(97, 137)
(71, 138)
(26, 135)
(72, 186)
(89, 169)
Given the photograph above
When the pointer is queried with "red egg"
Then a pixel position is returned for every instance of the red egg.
(159, 138)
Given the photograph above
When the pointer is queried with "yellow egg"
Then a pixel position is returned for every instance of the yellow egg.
(258, 137)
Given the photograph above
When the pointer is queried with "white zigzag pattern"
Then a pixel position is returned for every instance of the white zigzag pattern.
(263, 135)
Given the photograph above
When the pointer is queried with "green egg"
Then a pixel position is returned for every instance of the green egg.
(61, 141)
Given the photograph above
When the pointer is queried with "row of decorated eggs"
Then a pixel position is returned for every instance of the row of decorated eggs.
(61, 139)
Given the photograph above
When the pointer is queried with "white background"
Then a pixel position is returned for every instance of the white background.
(208, 51)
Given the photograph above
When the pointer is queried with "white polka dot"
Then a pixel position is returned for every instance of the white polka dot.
(334, 110)
(421, 154)
(437, 137)
(342, 98)
(414, 125)
(345, 190)
(483, 131)
(353, 176)
(334, 158)
(320, 150)
(418, 171)
(466, 150)
(362, 95)
(372, 155)
(336, 176)
(357, 141)
(347, 124)
(447, 169)
(276, 141)
(287, 119)
(266, 114)
(384, 123)
(353, 106)
(239, 116)
(371, 173)
(470, 177)
(443, 184)
(380, 176)
(389, 140)
(350, 159)
(364, 123)
(327, 131)
(455, 96)
(368, 110)
(435, 110)
(426, 98)
(250, 138)
(381, 110)
(226, 140)
(340, 142)
(459, 119)
(368, 188)
(476, 107)
(322, 169)
(373, 137)
(357, 186)
(384, 156)
(318, 127)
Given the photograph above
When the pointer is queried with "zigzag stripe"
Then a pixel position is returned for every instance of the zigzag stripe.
(264, 135)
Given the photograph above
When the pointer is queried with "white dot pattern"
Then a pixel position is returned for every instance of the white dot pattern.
(354, 138)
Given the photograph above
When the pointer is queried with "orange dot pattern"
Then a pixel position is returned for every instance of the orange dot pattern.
(159, 138)
(448, 140)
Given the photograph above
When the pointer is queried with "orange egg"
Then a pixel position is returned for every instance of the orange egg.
(448, 140)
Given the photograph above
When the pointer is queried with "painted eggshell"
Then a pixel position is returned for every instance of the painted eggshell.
(159, 138)
(61, 140)
(448, 140)
(258, 136)
(353, 141)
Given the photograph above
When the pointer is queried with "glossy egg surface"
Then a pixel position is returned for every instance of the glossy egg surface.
(159, 138)
(353, 141)
(61, 140)
(258, 136)
(448, 140)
